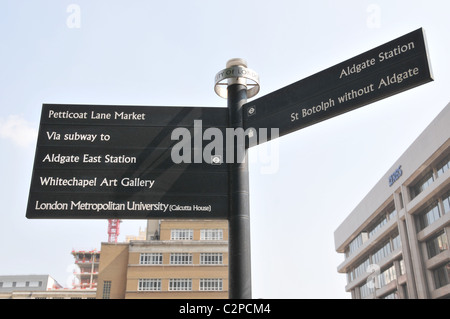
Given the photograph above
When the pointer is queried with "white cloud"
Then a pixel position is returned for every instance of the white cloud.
(18, 130)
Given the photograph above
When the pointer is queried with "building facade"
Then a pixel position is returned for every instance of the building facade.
(396, 241)
(38, 287)
(27, 283)
(87, 271)
(181, 259)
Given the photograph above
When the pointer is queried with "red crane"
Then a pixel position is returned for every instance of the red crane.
(113, 230)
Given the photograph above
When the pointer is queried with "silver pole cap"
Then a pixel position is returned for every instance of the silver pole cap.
(236, 72)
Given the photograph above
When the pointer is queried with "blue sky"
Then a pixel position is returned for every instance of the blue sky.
(167, 54)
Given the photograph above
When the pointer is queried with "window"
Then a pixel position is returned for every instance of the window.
(405, 291)
(443, 166)
(211, 284)
(378, 226)
(211, 259)
(402, 267)
(35, 284)
(387, 276)
(106, 289)
(392, 214)
(422, 184)
(180, 284)
(400, 199)
(181, 259)
(389, 212)
(381, 280)
(151, 259)
(350, 276)
(429, 216)
(356, 243)
(437, 244)
(442, 276)
(446, 202)
(392, 295)
(366, 289)
(361, 269)
(381, 253)
(396, 242)
(211, 234)
(181, 234)
(149, 285)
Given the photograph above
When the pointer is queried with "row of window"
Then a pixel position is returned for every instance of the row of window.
(388, 214)
(181, 259)
(188, 234)
(381, 280)
(433, 212)
(386, 249)
(434, 246)
(180, 284)
(441, 276)
(20, 284)
(422, 184)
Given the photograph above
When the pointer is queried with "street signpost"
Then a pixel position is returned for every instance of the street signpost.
(117, 162)
(171, 162)
(389, 69)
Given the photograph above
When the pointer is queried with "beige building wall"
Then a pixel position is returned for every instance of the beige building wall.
(113, 270)
(122, 266)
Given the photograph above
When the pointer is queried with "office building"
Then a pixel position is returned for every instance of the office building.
(180, 259)
(38, 287)
(27, 283)
(396, 241)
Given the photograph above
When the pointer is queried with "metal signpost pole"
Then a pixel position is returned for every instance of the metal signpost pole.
(239, 280)
(239, 258)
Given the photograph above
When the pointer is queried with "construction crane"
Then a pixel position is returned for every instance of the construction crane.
(113, 230)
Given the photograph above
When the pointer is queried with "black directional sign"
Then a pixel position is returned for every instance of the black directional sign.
(129, 162)
(99, 161)
(389, 69)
